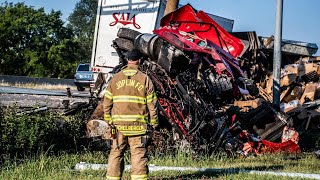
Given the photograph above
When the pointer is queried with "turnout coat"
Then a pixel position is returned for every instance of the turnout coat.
(130, 102)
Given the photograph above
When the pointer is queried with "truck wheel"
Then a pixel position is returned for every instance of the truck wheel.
(124, 44)
(79, 88)
(127, 33)
(221, 83)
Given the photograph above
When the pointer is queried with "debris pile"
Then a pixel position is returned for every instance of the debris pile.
(214, 88)
(300, 90)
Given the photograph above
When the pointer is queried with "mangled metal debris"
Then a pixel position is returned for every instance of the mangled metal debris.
(33, 110)
(293, 47)
(205, 96)
(300, 91)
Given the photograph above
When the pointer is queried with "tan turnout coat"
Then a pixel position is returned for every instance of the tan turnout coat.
(130, 102)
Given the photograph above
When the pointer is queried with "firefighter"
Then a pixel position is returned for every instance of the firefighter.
(130, 108)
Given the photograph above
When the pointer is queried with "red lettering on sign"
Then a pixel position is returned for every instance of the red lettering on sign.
(124, 18)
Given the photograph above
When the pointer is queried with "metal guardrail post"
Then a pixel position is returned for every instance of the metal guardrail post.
(277, 55)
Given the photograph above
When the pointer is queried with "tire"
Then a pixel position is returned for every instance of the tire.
(79, 88)
(221, 84)
(124, 44)
(127, 33)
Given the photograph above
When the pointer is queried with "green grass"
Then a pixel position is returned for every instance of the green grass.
(61, 167)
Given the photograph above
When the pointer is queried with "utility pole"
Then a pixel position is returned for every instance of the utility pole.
(277, 55)
(171, 5)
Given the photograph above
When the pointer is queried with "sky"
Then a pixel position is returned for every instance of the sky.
(301, 18)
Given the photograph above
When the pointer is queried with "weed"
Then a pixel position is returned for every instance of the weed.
(26, 135)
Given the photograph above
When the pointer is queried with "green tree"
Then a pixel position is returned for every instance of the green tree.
(82, 22)
(63, 52)
(34, 43)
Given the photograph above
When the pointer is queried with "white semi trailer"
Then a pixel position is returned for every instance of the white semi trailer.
(140, 15)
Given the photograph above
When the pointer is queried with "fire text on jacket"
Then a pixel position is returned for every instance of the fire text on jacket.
(130, 83)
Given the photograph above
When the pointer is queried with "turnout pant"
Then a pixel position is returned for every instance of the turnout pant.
(139, 159)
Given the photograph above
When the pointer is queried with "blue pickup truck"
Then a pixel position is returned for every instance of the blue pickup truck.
(83, 77)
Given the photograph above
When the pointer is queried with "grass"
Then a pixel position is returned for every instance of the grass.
(39, 86)
(61, 167)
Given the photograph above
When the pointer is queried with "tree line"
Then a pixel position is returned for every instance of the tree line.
(39, 44)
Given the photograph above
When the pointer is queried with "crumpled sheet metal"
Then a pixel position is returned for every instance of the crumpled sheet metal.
(203, 24)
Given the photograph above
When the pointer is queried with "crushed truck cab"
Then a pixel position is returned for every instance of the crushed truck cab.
(141, 16)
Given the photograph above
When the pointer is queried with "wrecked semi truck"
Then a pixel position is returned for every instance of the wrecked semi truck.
(143, 16)
(192, 62)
